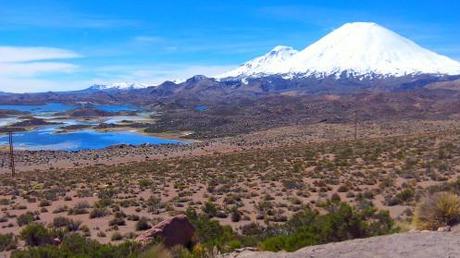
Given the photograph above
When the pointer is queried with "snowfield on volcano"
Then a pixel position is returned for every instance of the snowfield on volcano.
(357, 49)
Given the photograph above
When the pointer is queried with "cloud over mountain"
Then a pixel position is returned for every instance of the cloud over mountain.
(24, 68)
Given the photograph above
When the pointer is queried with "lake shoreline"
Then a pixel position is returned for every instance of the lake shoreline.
(49, 127)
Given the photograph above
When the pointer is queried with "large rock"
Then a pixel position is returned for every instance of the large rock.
(173, 231)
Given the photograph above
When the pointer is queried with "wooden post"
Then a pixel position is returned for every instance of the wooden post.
(356, 125)
(10, 140)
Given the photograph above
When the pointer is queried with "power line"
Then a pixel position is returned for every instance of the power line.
(10, 141)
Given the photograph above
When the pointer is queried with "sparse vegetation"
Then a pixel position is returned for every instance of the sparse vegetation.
(247, 197)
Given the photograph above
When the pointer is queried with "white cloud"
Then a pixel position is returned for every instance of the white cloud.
(20, 70)
(157, 74)
(22, 67)
(29, 85)
(150, 75)
(10, 54)
(34, 69)
(148, 39)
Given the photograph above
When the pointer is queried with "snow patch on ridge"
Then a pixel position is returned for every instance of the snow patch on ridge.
(267, 64)
(119, 86)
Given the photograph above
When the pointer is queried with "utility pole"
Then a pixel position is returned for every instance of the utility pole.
(10, 140)
(356, 124)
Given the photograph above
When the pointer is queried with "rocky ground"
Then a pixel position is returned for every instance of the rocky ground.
(265, 176)
(405, 245)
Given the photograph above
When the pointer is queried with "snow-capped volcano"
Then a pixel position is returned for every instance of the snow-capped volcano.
(357, 49)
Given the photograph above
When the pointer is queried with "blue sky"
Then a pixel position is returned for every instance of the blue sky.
(71, 44)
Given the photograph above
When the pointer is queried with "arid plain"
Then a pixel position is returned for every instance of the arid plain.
(260, 178)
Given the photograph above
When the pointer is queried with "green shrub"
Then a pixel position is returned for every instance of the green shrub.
(44, 203)
(236, 215)
(98, 213)
(75, 245)
(145, 183)
(210, 209)
(157, 251)
(26, 218)
(234, 244)
(67, 223)
(7, 242)
(402, 197)
(209, 232)
(60, 209)
(103, 203)
(36, 235)
(342, 222)
(290, 242)
(86, 231)
(142, 224)
(80, 208)
(116, 236)
(153, 204)
(117, 222)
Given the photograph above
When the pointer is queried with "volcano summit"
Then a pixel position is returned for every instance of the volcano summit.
(358, 49)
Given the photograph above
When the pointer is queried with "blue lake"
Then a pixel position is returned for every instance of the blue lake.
(201, 108)
(39, 109)
(60, 107)
(47, 139)
(116, 108)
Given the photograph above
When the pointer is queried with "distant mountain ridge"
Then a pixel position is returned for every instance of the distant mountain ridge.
(358, 49)
(359, 56)
(119, 86)
(268, 64)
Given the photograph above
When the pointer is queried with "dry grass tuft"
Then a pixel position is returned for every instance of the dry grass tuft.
(437, 210)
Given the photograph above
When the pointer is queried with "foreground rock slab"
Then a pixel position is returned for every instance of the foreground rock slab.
(173, 231)
(420, 245)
